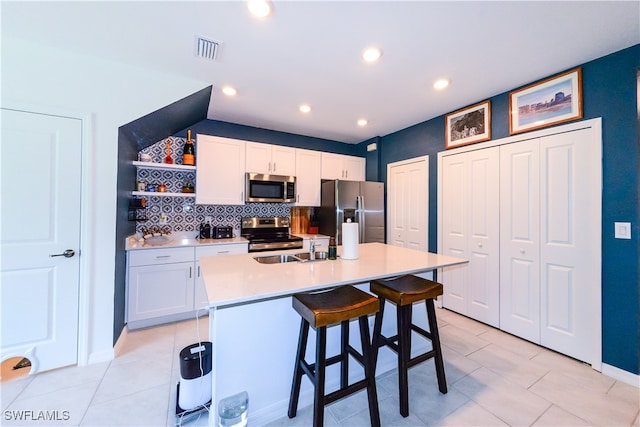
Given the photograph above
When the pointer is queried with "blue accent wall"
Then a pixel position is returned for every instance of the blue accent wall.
(609, 91)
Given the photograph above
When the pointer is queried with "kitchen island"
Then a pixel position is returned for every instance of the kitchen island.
(254, 329)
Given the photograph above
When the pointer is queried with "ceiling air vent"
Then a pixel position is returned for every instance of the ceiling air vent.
(207, 48)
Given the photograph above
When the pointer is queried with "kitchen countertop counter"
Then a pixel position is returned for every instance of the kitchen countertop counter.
(240, 279)
(181, 241)
(186, 240)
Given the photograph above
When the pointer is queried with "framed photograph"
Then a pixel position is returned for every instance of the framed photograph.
(469, 125)
(555, 100)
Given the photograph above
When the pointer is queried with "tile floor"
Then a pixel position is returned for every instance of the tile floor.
(494, 379)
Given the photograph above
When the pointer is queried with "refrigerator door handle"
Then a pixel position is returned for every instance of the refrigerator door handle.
(361, 217)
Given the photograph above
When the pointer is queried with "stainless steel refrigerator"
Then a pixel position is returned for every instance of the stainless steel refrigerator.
(362, 201)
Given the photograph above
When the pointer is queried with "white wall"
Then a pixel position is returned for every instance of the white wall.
(109, 95)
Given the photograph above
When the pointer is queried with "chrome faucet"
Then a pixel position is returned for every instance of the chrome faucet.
(312, 250)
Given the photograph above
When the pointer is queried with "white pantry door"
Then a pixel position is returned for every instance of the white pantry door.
(41, 183)
(407, 203)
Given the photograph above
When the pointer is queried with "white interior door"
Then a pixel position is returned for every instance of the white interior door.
(570, 220)
(520, 239)
(41, 183)
(483, 293)
(454, 202)
(470, 230)
(407, 203)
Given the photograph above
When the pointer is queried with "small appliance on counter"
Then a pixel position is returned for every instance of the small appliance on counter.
(222, 232)
(208, 231)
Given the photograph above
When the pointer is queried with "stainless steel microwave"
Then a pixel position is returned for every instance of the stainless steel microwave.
(269, 188)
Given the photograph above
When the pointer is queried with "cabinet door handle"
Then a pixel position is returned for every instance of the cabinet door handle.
(190, 272)
(223, 252)
(346, 174)
(162, 256)
(198, 271)
(274, 166)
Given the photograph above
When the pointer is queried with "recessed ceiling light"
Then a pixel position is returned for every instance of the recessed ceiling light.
(305, 108)
(441, 84)
(229, 91)
(372, 54)
(259, 8)
(362, 122)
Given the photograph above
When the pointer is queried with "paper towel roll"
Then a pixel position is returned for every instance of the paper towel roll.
(350, 240)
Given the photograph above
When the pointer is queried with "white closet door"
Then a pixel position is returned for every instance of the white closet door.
(483, 292)
(519, 239)
(454, 232)
(407, 203)
(569, 220)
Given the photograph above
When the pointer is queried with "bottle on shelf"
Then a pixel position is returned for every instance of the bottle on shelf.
(168, 159)
(189, 153)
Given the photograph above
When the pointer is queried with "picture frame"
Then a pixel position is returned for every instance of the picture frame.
(468, 125)
(551, 101)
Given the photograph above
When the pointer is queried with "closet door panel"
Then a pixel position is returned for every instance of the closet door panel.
(454, 230)
(519, 237)
(484, 241)
(568, 213)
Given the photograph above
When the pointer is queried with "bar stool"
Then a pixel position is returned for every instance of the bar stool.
(403, 292)
(322, 309)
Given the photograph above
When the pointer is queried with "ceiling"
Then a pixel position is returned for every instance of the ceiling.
(310, 52)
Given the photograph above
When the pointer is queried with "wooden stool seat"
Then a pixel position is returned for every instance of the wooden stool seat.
(407, 289)
(323, 309)
(334, 306)
(403, 292)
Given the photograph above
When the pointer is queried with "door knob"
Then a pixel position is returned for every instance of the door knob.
(67, 254)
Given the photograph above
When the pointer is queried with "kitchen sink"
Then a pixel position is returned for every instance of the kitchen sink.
(320, 256)
(300, 257)
(275, 259)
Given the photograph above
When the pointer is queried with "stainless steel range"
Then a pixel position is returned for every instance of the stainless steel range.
(269, 234)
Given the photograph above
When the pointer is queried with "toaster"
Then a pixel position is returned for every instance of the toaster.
(222, 232)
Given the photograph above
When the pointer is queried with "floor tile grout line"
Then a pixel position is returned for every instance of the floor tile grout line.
(95, 391)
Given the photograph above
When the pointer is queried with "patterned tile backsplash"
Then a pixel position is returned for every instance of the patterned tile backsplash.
(183, 215)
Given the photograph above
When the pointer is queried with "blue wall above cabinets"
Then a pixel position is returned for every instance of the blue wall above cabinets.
(610, 90)
(249, 133)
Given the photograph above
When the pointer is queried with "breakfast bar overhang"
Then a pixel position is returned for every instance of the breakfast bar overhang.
(254, 330)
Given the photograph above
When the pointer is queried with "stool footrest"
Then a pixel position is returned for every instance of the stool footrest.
(346, 391)
(310, 368)
(421, 358)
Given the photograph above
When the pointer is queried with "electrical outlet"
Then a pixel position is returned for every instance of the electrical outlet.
(207, 220)
(163, 219)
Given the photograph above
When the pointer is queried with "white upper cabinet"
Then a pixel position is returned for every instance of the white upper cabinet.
(220, 171)
(339, 166)
(308, 177)
(270, 159)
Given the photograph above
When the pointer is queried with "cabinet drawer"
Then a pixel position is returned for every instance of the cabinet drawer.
(160, 256)
(224, 249)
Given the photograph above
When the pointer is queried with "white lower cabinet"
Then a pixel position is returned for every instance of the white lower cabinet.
(159, 285)
(165, 285)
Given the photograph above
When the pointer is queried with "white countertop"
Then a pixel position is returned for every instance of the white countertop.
(238, 279)
(185, 240)
(180, 242)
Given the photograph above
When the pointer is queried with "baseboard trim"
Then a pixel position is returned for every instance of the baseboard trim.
(120, 342)
(621, 375)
